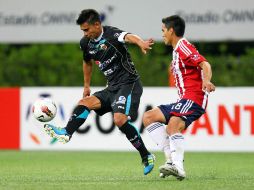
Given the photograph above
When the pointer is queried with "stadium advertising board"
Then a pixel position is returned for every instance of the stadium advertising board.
(10, 118)
(228, 124)
(54, 21)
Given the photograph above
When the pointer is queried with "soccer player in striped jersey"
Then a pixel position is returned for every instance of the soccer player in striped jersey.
(192, 75)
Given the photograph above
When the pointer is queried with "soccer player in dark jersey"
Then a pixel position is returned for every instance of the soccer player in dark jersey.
(192, 75)
(105, 46)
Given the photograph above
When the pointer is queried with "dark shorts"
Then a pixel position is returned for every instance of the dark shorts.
(124, 100)
(188, 110)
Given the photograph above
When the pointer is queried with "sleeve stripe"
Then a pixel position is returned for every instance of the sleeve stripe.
(184, 49)
(121, 37)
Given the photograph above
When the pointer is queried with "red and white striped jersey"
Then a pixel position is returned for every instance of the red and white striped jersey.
(188, 73)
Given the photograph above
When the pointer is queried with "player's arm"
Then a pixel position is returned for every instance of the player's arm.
(144, 45)
(87, 70)
(207, 76)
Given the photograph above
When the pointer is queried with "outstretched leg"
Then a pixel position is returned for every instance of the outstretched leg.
(78, 117)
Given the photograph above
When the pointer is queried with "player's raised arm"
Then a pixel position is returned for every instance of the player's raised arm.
(144, 45)
(87, 70)
(207, 85)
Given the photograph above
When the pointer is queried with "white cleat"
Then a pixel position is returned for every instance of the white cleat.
(172, 169)
(162, 175)
(168, 162)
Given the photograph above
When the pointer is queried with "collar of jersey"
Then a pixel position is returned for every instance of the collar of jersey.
(99, 38)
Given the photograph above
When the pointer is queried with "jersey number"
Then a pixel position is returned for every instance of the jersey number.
(177, 106)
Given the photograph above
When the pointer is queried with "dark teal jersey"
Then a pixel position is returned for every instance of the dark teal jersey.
(112, 57)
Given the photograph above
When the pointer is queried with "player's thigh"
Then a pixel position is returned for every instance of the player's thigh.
(181, 114)
(91, 102)
(127, 99)
(105, 104)
(153, 115)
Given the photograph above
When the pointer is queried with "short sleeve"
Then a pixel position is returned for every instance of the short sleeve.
(189, 54)
(83, 47)
(118, 34)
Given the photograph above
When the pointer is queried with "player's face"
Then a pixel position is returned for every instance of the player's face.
(167, 35)
(91, 31)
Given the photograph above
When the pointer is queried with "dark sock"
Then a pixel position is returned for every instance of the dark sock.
(78, 117)
(134, 137)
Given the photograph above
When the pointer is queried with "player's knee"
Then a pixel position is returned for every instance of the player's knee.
(148, 118)
(91, 102)
(120, 119)
(171, 130)
(175, 125)
(84, 102)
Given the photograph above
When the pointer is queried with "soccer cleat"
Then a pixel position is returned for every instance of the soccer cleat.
(162, 175)
(148, 162)
(56, 132)
(172, 169)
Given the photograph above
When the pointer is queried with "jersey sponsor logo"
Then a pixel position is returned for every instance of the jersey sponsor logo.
(104, 64)
(116, 35)
(97, 62)
(93, 51)
(108, 72)
(110, 59)
(121, 100)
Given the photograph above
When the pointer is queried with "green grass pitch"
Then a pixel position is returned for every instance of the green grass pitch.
(121, 170)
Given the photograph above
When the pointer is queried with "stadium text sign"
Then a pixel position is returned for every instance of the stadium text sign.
(228, 124)
(225, 120)
(49, 21)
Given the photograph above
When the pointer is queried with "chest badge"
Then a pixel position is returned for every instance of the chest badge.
(103, 47)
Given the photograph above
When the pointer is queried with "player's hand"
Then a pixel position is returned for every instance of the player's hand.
(86, 92)
(146, 45)
(208, 86)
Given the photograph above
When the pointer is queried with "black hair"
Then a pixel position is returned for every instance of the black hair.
(175, 22)
(88, 15)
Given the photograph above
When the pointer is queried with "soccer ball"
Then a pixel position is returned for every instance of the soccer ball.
(44, 109)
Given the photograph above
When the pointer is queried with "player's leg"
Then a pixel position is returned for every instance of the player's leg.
(125, 106)
(182, 114)
(132, 134)
(81, 113)
(154, 124)
(176, 140)
(78, 117)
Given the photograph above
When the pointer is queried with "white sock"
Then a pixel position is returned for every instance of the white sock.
(177, 149)
(158, 134)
